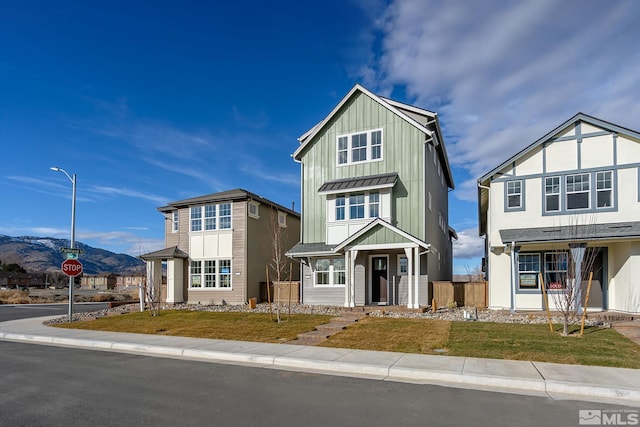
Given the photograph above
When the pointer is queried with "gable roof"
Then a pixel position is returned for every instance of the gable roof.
(418, 117)
(483, 192)
(225, 196)
(379, 222)
(578, 117)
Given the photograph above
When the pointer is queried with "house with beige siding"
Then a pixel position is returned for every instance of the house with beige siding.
(575, 191)
(217, 247)
(375, 179)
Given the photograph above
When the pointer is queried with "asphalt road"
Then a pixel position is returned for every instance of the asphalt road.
(24, 311)
(42, 385)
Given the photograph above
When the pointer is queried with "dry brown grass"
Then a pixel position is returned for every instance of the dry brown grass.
(244, 326)
(401, 335)
(14, 297)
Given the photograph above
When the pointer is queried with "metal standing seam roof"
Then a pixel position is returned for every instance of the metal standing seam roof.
(615, 231)
(301, 249)
(372, 181)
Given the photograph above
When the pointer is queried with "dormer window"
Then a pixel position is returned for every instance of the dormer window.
(359, 147)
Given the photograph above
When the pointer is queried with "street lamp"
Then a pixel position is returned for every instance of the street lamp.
(73, 230)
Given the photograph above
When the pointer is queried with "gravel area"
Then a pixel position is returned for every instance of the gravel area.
(456, 314)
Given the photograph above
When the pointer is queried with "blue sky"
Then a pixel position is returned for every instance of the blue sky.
(152, 102)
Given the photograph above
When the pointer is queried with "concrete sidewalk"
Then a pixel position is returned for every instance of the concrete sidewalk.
(590, 383)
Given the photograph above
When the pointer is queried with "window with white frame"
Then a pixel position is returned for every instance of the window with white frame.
(210, 274)
(374, 205)
(552, 194)
(196, 218)
(254, 210)
(210, 217)
(216, 217)
(528, 271)
(340, 208)
(403, 265)
(282, 219)
(514, 194)
(604, 189)
(577, 189)
(359, 147)
(329, 272)
(357, 206)
(225, 215)
(175, 224)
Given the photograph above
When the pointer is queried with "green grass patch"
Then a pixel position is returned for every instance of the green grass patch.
(201, 324)
(598, 346)
(401, 335)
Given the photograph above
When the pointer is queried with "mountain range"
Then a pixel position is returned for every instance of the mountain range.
(43, 254)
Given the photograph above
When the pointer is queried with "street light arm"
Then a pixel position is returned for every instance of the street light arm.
(57, 169)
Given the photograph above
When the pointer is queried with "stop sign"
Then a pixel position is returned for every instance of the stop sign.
(71, 267)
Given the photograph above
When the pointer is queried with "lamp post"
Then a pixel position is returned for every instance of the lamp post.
(73, 230)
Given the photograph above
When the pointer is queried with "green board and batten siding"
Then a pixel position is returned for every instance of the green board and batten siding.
(380, 235)
(360, 114)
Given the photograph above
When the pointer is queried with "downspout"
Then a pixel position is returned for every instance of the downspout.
(301, 288)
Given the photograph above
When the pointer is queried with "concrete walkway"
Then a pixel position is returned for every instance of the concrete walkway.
(590, 383)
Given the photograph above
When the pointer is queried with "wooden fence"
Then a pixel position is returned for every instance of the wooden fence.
(281, 288)
(463, 294)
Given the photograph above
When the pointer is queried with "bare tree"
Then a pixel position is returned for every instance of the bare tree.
(151, 291)
(278, 262)
(567, 271)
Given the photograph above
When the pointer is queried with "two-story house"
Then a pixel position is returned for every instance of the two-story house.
(218, 245)
(374, 191)
(576, 188)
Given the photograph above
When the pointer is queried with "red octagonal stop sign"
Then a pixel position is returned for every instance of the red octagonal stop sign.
(72, 267)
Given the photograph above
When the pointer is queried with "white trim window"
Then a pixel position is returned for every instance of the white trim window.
(216, 217)
(528, 271)
(514, 194)
(578, 195)
(359, 147)
(604, 189)
(341, 208)
(175, 221)
(196, 218)
(282, 219)
(357, 206)
(210, 274)
(329, 272)
(403, 265)
(253, 210)
(552, 194)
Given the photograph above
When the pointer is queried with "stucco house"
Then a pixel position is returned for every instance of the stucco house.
(217, 247)
(577, 187)
(375, 180)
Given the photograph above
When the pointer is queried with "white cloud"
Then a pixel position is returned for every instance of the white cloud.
(503, 74)
(468, 245)
(129, 193)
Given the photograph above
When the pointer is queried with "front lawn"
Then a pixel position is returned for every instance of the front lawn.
(200, 324)
(598, 346)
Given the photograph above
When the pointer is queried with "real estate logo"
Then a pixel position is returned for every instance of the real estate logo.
(608, 417)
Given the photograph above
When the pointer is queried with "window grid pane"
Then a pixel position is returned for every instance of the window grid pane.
(210, 274)
(225, 215)
(374, 205)
(210, 217)
(359, 147)
(340, 208)
(604, 185)
(225, 273)
(514, 194)
(343, 147)
(356, 206)
(577, 191)
(196, 219)
(376, 145)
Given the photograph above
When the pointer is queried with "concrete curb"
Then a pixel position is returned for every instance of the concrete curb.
(353, 363)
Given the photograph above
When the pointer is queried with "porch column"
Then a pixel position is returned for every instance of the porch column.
(347, 278)
(577, 252)
(408, 253)
(416, 278)
(352, 287)
(174, 280)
